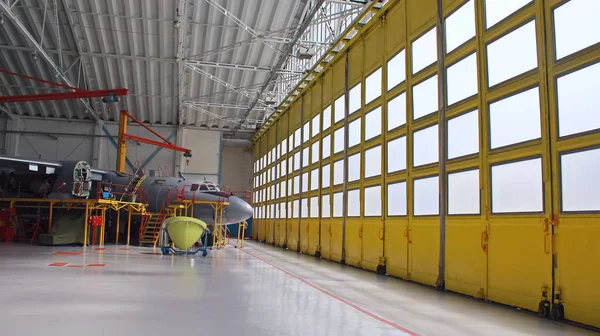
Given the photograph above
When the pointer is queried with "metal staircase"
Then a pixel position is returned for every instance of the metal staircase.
(150, 229)
(151, 223)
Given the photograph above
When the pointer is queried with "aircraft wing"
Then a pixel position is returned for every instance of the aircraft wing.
(34, 166)
(28, 165)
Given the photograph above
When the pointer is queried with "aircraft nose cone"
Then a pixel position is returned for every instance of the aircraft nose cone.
(238, 210)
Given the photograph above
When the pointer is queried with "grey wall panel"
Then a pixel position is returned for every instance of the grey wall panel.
(236, 169)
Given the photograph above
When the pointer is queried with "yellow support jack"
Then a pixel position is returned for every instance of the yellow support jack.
(241, 234)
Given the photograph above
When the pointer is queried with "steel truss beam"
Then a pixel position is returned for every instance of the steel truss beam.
(222, 105)
(238, 66)
(241, 24)
(283, 57)
(11, 15)
(180, 28)
(155, 59)
(331, 20)
(240, 44)
(243, 92)
(199, 109)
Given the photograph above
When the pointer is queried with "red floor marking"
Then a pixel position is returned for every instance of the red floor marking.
(78, 266)
(99, 265)
(58, 264)
(68, 252)
(390, 323)
(100, 249)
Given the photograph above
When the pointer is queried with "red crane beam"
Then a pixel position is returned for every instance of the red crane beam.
(155, 143)
(63, 95)
(125, 112)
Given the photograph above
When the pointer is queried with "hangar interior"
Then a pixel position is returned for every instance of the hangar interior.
(389, 167)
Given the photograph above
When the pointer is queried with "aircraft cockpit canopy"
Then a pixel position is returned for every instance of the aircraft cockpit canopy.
(205, 186)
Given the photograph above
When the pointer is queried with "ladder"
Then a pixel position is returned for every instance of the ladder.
(132, 187)
(150, 229)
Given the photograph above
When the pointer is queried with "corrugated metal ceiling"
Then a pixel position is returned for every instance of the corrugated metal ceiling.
(103, 44)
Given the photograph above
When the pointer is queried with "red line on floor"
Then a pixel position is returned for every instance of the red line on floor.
(100, 249)
(99, 265)
(362, 310)
(58, 264)
(68, 252)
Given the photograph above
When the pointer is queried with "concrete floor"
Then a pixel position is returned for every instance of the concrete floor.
(261, 290)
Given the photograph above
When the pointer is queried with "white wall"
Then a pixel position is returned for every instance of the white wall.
(236, 170)
(205, 147)
(51, 147)
(87, 141)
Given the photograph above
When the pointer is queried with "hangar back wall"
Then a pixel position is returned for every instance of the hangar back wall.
(59, 140)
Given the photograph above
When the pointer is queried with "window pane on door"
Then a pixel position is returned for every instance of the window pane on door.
(460, 26)
(576, 26)
(463, 193)
(425, 97)
(580, 181)
(354, 203)
(373, 86)
(354, 167)
(424, 51)
(372, 201)
(373, 162)
(325, 207)
(354, 96)
(396, 199)
(354, 133)
(396, 70)
(517, 187)
(373, 124)
(515, 119)
(325, 176)
(426, 196)
(396, 112)
(498, 10)
(463, 135)
(338, 206)
(578, 103)
(462, 79)
(504, 63)
(425, 146)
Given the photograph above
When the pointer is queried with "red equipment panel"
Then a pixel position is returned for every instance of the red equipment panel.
(95, 221)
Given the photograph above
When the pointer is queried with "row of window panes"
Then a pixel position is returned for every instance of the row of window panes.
(517, 187)
(576, 106)
(573, 28)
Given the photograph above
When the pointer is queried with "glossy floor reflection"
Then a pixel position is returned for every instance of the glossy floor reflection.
(262, 290)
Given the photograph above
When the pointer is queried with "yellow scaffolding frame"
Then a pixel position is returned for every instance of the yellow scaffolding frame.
(88, 205)
(219, 230)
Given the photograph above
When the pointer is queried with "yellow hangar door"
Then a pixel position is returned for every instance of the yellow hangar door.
(517, 182)
(396, 229)
(574, 79)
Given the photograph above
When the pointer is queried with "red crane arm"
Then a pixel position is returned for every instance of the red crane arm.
(155, 143)
(63, 95)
